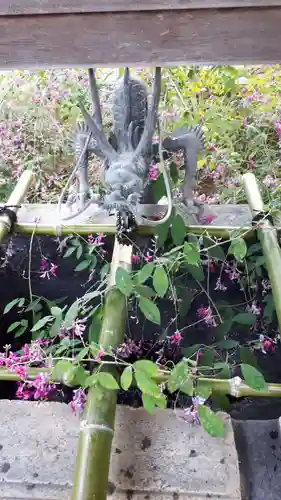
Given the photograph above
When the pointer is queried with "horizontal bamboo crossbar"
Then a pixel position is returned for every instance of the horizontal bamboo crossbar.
(227, 218)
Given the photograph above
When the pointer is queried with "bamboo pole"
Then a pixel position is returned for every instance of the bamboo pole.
(97, 426)
(16, 198)
(235, 387)
(223, 232)
(267, 235)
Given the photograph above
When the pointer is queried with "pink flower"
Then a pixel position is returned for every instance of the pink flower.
(207, 219)
(153, 172)
(205, 313)
(212, 267)
(99, 355)
(78, 402)
(148, 258)
(47, 269)
(176, 338)
(20, 371)
(135, 259)
(251, 164)
(79, 329)
(266, 345)
(96, 241)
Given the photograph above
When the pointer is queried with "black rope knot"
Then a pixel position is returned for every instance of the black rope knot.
(7, 210)
(125, 227)
(258, 217)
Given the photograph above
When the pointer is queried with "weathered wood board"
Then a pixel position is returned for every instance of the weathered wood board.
(42, 33)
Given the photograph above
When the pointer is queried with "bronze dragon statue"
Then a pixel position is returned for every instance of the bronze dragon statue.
(128, 151)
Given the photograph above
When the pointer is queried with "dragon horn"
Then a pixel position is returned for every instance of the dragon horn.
(150, 122)
(95, 97)
(102, 142)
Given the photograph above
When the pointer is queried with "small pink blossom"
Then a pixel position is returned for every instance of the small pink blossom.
(79, 328)
(220, 286)
(207, 219)
(191, 413)
(175, 338)
(254, 308)
(266, 345)
(153, 172)
(148, 258)
(205, 313)
(47, 269)
(135, 259)
(78, 402)
(98, 240)
(99, 354)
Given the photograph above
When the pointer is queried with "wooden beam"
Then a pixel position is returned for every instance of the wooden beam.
(227, 36)
(24, 7)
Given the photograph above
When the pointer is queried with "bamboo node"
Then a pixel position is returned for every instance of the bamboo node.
(234, 386)
(84, 427)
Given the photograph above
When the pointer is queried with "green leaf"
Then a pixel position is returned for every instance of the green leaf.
(10, 305)
(269, 308)
(83, 265)
(124, 282)
(206, 358)
(79, 252)
(162, 232)
(126, 378)
(174, 172)
(41, 323)
(81, 355)
(150, 310)
(256, 247)
(227, 344)
(147, 366)
(178, 230)
(191, 254)
(71, 314)
(55, 328)
(222, 370)
(247, 356)
(56, 312)
(144, 291)
(145, 272)
(20, 331)
(91, 295)
(210, 422)
(185, 297)
(245, 318)
(145, 384)
(104, 271)
(216, 252)
(150, 402)
(253, 378)
(159, 188)
(196, 272)
(223, 329)
(108, 381)
(13, 326)
(238, 248)
(69, 252)
(203, 390)
(91, 380)
(61, 368)
(160, 281)
(221, 401)
(178, 376)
